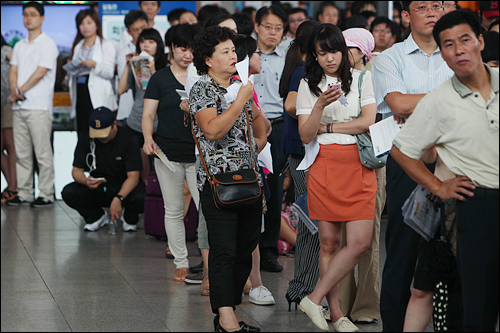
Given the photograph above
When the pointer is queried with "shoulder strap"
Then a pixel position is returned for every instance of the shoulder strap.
(360, 83)
(210, 179)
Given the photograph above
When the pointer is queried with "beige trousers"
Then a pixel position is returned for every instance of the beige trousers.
(32, 130)
(363, 299)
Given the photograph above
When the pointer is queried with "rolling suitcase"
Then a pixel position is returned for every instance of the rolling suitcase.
(154, 212)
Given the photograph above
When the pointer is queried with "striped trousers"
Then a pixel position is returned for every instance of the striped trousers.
(306, 273)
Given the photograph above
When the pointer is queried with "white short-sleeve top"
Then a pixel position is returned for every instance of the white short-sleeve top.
(336, 112)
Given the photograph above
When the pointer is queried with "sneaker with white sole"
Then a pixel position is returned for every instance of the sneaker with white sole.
(101, 222)
(41, 203)
(128, 227)
(345, 325)
(261, 296)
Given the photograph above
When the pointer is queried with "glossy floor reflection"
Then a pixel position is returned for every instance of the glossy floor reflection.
(56, 277)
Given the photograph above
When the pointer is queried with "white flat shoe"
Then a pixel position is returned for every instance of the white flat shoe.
(314, 312)
(345, 325)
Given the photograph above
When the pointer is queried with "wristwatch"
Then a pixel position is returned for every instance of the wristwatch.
(120, 197)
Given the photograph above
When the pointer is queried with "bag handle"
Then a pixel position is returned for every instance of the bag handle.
(360, 83)
(209, 177)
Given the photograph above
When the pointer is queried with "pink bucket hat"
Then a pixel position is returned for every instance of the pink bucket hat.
(362, 39)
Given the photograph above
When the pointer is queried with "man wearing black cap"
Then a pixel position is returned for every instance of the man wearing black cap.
(114, 164)
(489, 13)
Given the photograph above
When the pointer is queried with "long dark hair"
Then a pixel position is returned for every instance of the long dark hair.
(330, 39)
(295, 52)
(82, 14)
(153, 34)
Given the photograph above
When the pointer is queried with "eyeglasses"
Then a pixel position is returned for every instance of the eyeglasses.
(450, 5)
(91, 156)
(386, 31)
(269, 28)
(424, 9)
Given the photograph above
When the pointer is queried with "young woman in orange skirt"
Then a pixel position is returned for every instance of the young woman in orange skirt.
(340, 188)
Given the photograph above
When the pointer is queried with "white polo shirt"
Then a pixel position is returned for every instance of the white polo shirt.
(462, 126)
(42, 52)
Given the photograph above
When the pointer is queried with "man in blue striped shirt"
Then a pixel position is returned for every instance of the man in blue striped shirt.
(402, 75)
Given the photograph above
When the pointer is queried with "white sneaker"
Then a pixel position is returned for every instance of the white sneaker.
(261, 296)
(345, 325)
(128, 227)
(103, 220)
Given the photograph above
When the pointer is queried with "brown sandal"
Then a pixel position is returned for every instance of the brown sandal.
(8, 195)
(205, 289)
(180, 274)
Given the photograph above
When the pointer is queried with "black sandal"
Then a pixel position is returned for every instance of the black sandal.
(8, 195)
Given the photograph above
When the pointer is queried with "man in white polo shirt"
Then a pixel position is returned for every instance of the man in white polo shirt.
(460, 119)
(31, 79)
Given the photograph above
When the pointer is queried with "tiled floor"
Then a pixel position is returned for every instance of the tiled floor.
(56, 277)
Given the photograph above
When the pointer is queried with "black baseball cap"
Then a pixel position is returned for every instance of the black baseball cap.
(489, 8)
(101, 119)
(356, 21)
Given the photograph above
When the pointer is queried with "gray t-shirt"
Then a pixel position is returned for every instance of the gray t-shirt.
(134, 120)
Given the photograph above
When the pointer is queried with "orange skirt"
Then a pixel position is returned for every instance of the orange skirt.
(339, 187)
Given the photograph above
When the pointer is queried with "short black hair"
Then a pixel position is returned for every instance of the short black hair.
(183, 35)
(133, 16)
(217, 19)
(273, 9)
(298, 10)
(496, 22)
(244, 46)
(323, 5)
(490, 52)
(244, 23)
(205, 43)
(454, 18)
(159, 3)
(367, 14)
(357, 5)
(388, 23)
(175, 14)
(153, 34)
(38, 6)
(248, 10)
(209, 11)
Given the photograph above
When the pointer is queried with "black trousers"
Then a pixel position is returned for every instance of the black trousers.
(83, 105)
(402, 247)
(272, 219)
(89, 202)
(477, 255)
(232, 235)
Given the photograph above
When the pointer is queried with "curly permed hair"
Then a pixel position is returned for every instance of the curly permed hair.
(204, 45)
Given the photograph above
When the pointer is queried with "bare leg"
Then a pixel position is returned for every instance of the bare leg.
(255, 278)
(337, 263)
(204, 255)
(287, 234)
(228, 318)
(419, 311)
(9, 168)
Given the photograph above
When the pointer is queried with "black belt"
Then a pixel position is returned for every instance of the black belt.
(486, 191)
(278, 120)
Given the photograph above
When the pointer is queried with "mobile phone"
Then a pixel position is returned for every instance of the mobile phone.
(101, 179)
(336, 85)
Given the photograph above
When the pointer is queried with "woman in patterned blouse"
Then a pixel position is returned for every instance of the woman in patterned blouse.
(220, 126)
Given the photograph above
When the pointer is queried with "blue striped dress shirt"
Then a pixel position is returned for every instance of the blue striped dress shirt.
(405, 68)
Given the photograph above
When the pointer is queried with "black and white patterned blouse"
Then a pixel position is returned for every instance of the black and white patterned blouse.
(232, 151)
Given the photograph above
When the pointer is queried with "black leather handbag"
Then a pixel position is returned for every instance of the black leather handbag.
(235, 189)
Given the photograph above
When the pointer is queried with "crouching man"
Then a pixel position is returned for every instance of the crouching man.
(112, 157)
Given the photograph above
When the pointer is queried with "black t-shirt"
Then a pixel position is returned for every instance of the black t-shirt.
(173, 138)
(113, 159)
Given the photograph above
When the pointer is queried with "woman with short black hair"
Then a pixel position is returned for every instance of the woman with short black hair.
(220, 124)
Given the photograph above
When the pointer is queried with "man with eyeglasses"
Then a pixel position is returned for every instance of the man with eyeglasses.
(269, 24)
(402, 75)
(295, 17)
(111, 156)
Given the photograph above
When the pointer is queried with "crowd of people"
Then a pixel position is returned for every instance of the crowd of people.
(315, 85)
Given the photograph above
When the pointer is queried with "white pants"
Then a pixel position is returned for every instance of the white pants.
(32, 129)
(172, 189)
